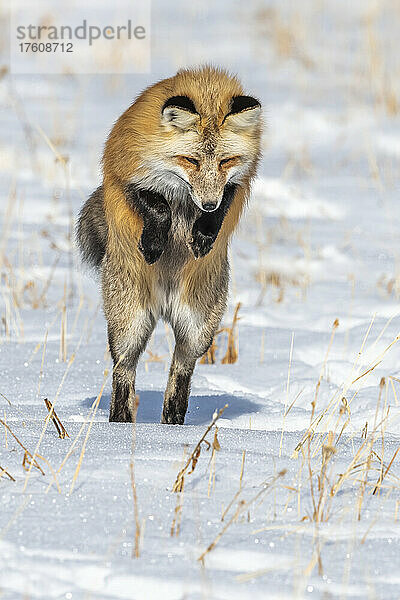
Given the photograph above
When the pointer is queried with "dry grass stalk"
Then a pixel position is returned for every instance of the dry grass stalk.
(344, 409)
(41, 372)
(232, 353)
(78, 312)
(244, 577)
(242, 506)
(279, 281)
(381, 83)
(262, 346)
(375, 520)
(287, 393)
(176, 522)
(383, 466)
(384, 383)
(27, 465)
(287, 36)
(11, 321)
(39, 344)
(6, 399)
(209, 358)
(319, 492)
(284, 526)
(315, 421)
(26, 127)
(16, 514)
(63, 160)
(7, 222)
(227, 509)
(42, 298)
(136, 548)
(5, 430)
(334, 327)
(387, 285)
(20, 291)
(382, 476)
(63, 331)
(364, 432)
(328, 451)
(357, 461)
(6, 473)
(235, 497)
(62, 432)
(67, 368)
(332, 405)
(239, 509)
(215, 448)
(74, 443)
(27, 454)
(393, 388)
(330, 408)
(195, 455)
(70, 362)
(242, 469)
(368, 462)
(310, 433)
(378, 362)
(51, 469)
(83, 450)
(93, 408)
(315, 560)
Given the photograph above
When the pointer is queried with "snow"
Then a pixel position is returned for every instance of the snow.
(319, 242)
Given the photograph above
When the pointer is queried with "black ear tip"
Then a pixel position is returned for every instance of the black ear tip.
(183, 102)
(240, 103)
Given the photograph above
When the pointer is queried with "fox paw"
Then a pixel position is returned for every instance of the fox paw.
(201, 243)
(151, 248)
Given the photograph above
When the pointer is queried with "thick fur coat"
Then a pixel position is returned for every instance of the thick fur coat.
(177, 170)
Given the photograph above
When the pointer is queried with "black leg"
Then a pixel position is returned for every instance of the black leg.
(127, 343)
(178, 388)
(156, 215)
(206, 228)
(123, 396)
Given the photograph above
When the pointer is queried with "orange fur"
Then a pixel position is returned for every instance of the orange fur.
(182, 158)
(138, 135)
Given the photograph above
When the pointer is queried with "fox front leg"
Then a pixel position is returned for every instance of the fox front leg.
(206, 227)
(156, 215)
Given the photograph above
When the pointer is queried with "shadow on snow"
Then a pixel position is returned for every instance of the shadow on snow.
(200, 410)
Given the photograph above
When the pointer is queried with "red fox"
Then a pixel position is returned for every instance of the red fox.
(177, 168)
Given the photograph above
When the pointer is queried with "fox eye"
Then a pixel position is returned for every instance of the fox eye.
(193, 161)
(226, 161)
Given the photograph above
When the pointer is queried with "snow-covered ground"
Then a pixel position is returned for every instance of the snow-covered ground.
(320, 242)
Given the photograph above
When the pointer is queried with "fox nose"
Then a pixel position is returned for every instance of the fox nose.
(209, 206)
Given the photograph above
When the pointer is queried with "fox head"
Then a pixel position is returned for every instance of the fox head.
(204, 153)
(187, 136)
(195, 133)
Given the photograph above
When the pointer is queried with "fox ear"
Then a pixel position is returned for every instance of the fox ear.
(180, 113)
(245, 113)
